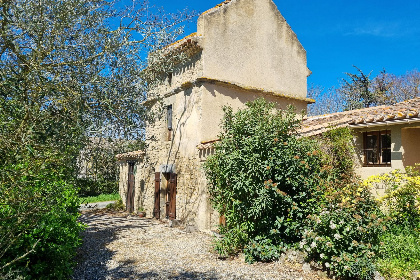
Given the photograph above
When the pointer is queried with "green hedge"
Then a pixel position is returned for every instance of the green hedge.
(90, 187)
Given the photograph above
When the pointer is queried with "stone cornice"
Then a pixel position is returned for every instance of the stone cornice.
(236, 86)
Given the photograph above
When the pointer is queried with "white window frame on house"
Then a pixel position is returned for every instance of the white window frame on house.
(377, 148)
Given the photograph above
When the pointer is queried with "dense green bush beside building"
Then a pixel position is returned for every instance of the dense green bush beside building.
(264, 180)
(278, 190)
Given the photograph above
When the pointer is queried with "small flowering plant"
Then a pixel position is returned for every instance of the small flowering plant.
(402, 194)
(344, 236)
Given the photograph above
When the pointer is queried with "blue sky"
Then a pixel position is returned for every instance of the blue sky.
(337, 34)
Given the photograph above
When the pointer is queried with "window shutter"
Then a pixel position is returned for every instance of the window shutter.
(172, 196)
(156, 210)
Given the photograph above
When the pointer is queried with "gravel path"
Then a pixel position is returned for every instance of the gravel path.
(118, 246)
(94, 205)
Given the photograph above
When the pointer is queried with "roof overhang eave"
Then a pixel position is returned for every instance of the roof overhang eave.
(385, 123)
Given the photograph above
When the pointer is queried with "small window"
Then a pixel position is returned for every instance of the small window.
(377, 148)
(170, 75)
(169, 121)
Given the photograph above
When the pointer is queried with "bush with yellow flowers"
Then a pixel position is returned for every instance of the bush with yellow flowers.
(402, 194)
(399, 253)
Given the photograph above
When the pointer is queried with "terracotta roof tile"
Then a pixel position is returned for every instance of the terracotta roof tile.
(405, 110)
(130, 155)
(189, 40)
(217, 7)
(207, 144)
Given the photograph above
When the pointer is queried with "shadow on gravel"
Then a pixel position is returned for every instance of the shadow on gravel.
(93, 255)
(124, 272)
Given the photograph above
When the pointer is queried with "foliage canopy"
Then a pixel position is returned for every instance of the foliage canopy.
(70, 72)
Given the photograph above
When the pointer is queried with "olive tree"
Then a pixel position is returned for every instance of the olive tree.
(70, 71)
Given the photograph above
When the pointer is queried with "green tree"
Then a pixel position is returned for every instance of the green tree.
(70, 71)
(356, 91)
(361, 91)
(327, 101)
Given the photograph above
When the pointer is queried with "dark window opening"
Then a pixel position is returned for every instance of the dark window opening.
(377, 148)
(170, 74)
(169, 121)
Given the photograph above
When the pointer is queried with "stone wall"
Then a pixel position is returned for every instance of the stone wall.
(180, 152)
(255, 45)
(216, 96)
(183, 73)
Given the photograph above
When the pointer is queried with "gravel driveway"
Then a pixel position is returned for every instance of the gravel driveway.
(118, 246)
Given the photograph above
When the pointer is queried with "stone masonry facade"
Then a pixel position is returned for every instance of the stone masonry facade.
(243, 50)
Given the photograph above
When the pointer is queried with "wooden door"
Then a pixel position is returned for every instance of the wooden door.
(156, 209)
(130, 188)
(171, 197)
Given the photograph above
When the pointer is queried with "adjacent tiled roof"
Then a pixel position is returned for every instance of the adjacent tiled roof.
(188, 43)
(207, 144)
(400, 112)
(130, 155)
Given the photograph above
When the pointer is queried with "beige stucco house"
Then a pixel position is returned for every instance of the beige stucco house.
(385, 137)
(242, 50)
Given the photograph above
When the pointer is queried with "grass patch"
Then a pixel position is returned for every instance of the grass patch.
(399, 254)
(100, 198)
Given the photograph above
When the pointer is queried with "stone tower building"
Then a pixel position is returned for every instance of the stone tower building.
(242, 50)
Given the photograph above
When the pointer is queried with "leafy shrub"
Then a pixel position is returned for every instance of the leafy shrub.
(267, 182)
(231, 239)
(344, 237)
(262, 248)
(39, 215)
(338, 149)
(263, 179)
(117, 206)
(90, 187)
